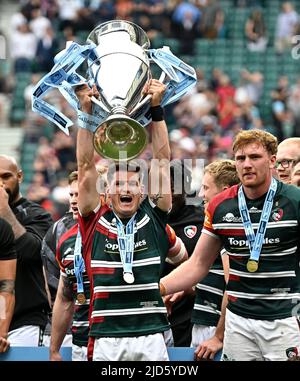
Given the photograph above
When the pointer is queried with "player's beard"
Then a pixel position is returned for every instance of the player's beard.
(12, 195)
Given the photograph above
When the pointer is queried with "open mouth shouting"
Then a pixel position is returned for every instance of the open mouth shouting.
(74, 210)
(126, 199)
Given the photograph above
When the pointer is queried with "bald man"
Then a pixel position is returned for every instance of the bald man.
(287, 155)
(29, 224)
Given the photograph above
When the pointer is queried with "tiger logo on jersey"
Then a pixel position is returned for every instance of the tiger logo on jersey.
(277, 214)
(190, 231)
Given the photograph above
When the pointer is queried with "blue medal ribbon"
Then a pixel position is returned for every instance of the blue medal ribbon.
(63, 76)
(256, 241)
(182, 76)
(126, 246)
(79, 266)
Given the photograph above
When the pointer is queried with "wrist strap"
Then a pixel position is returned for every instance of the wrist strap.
(87, 121)
(157, 113)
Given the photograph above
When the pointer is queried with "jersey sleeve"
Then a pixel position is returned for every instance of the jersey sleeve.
(177, 251)
(59, 257)
(208, 222)
(87, 223)
(7, 248)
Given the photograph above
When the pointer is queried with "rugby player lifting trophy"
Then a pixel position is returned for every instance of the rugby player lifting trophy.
(118, 58)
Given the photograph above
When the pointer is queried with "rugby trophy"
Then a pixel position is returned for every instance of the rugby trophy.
(118, 57)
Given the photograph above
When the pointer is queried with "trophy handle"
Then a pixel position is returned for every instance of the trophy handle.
(100, 104)
(147, 97)
(140, 104)
(162, 77)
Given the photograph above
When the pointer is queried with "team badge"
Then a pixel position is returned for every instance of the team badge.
(190, 231)
(292, 352)
(277, 214)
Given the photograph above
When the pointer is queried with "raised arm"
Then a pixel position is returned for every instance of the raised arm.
(88, 197)
(159, 177)
(192, 271)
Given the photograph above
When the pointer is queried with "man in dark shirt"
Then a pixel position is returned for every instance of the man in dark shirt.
(48, 253)
(29, 223)
(187, 221)
(8, 261)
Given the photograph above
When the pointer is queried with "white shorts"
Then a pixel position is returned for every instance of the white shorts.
(26, 336)
(141, 348)
(201, 333)
(66, 343)
(79, 353)
(259, 340)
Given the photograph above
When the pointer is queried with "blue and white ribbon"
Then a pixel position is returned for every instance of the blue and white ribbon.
(256, 241)
(126, 245)
(63, 76)
(79, 266)
(182, 76)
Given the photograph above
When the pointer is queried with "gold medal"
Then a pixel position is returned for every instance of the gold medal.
(81, 298)
(252, 266)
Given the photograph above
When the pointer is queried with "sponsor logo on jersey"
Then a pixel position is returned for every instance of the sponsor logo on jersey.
(277, 214)
(190, 231)
(244, 242)
(254, 210)
(115, 246)
(69, 271)
(149, 303)
(231, 218)
(280, 290)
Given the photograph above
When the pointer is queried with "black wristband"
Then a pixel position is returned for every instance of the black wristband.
(157, 113)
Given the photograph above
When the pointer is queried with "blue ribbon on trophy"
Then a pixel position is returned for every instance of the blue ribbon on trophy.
(63, 76)
(118, 118)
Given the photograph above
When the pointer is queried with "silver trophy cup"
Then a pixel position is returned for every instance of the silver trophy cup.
(118, 55)
(120, 73)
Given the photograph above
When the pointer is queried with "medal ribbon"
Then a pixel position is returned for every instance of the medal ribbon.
(256, 241)
(126, 242)
(63, 76)
(79, 266)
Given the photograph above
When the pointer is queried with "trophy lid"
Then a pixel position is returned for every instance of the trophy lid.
(136, 33)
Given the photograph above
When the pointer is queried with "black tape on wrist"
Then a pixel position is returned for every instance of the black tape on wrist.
(157, 113)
